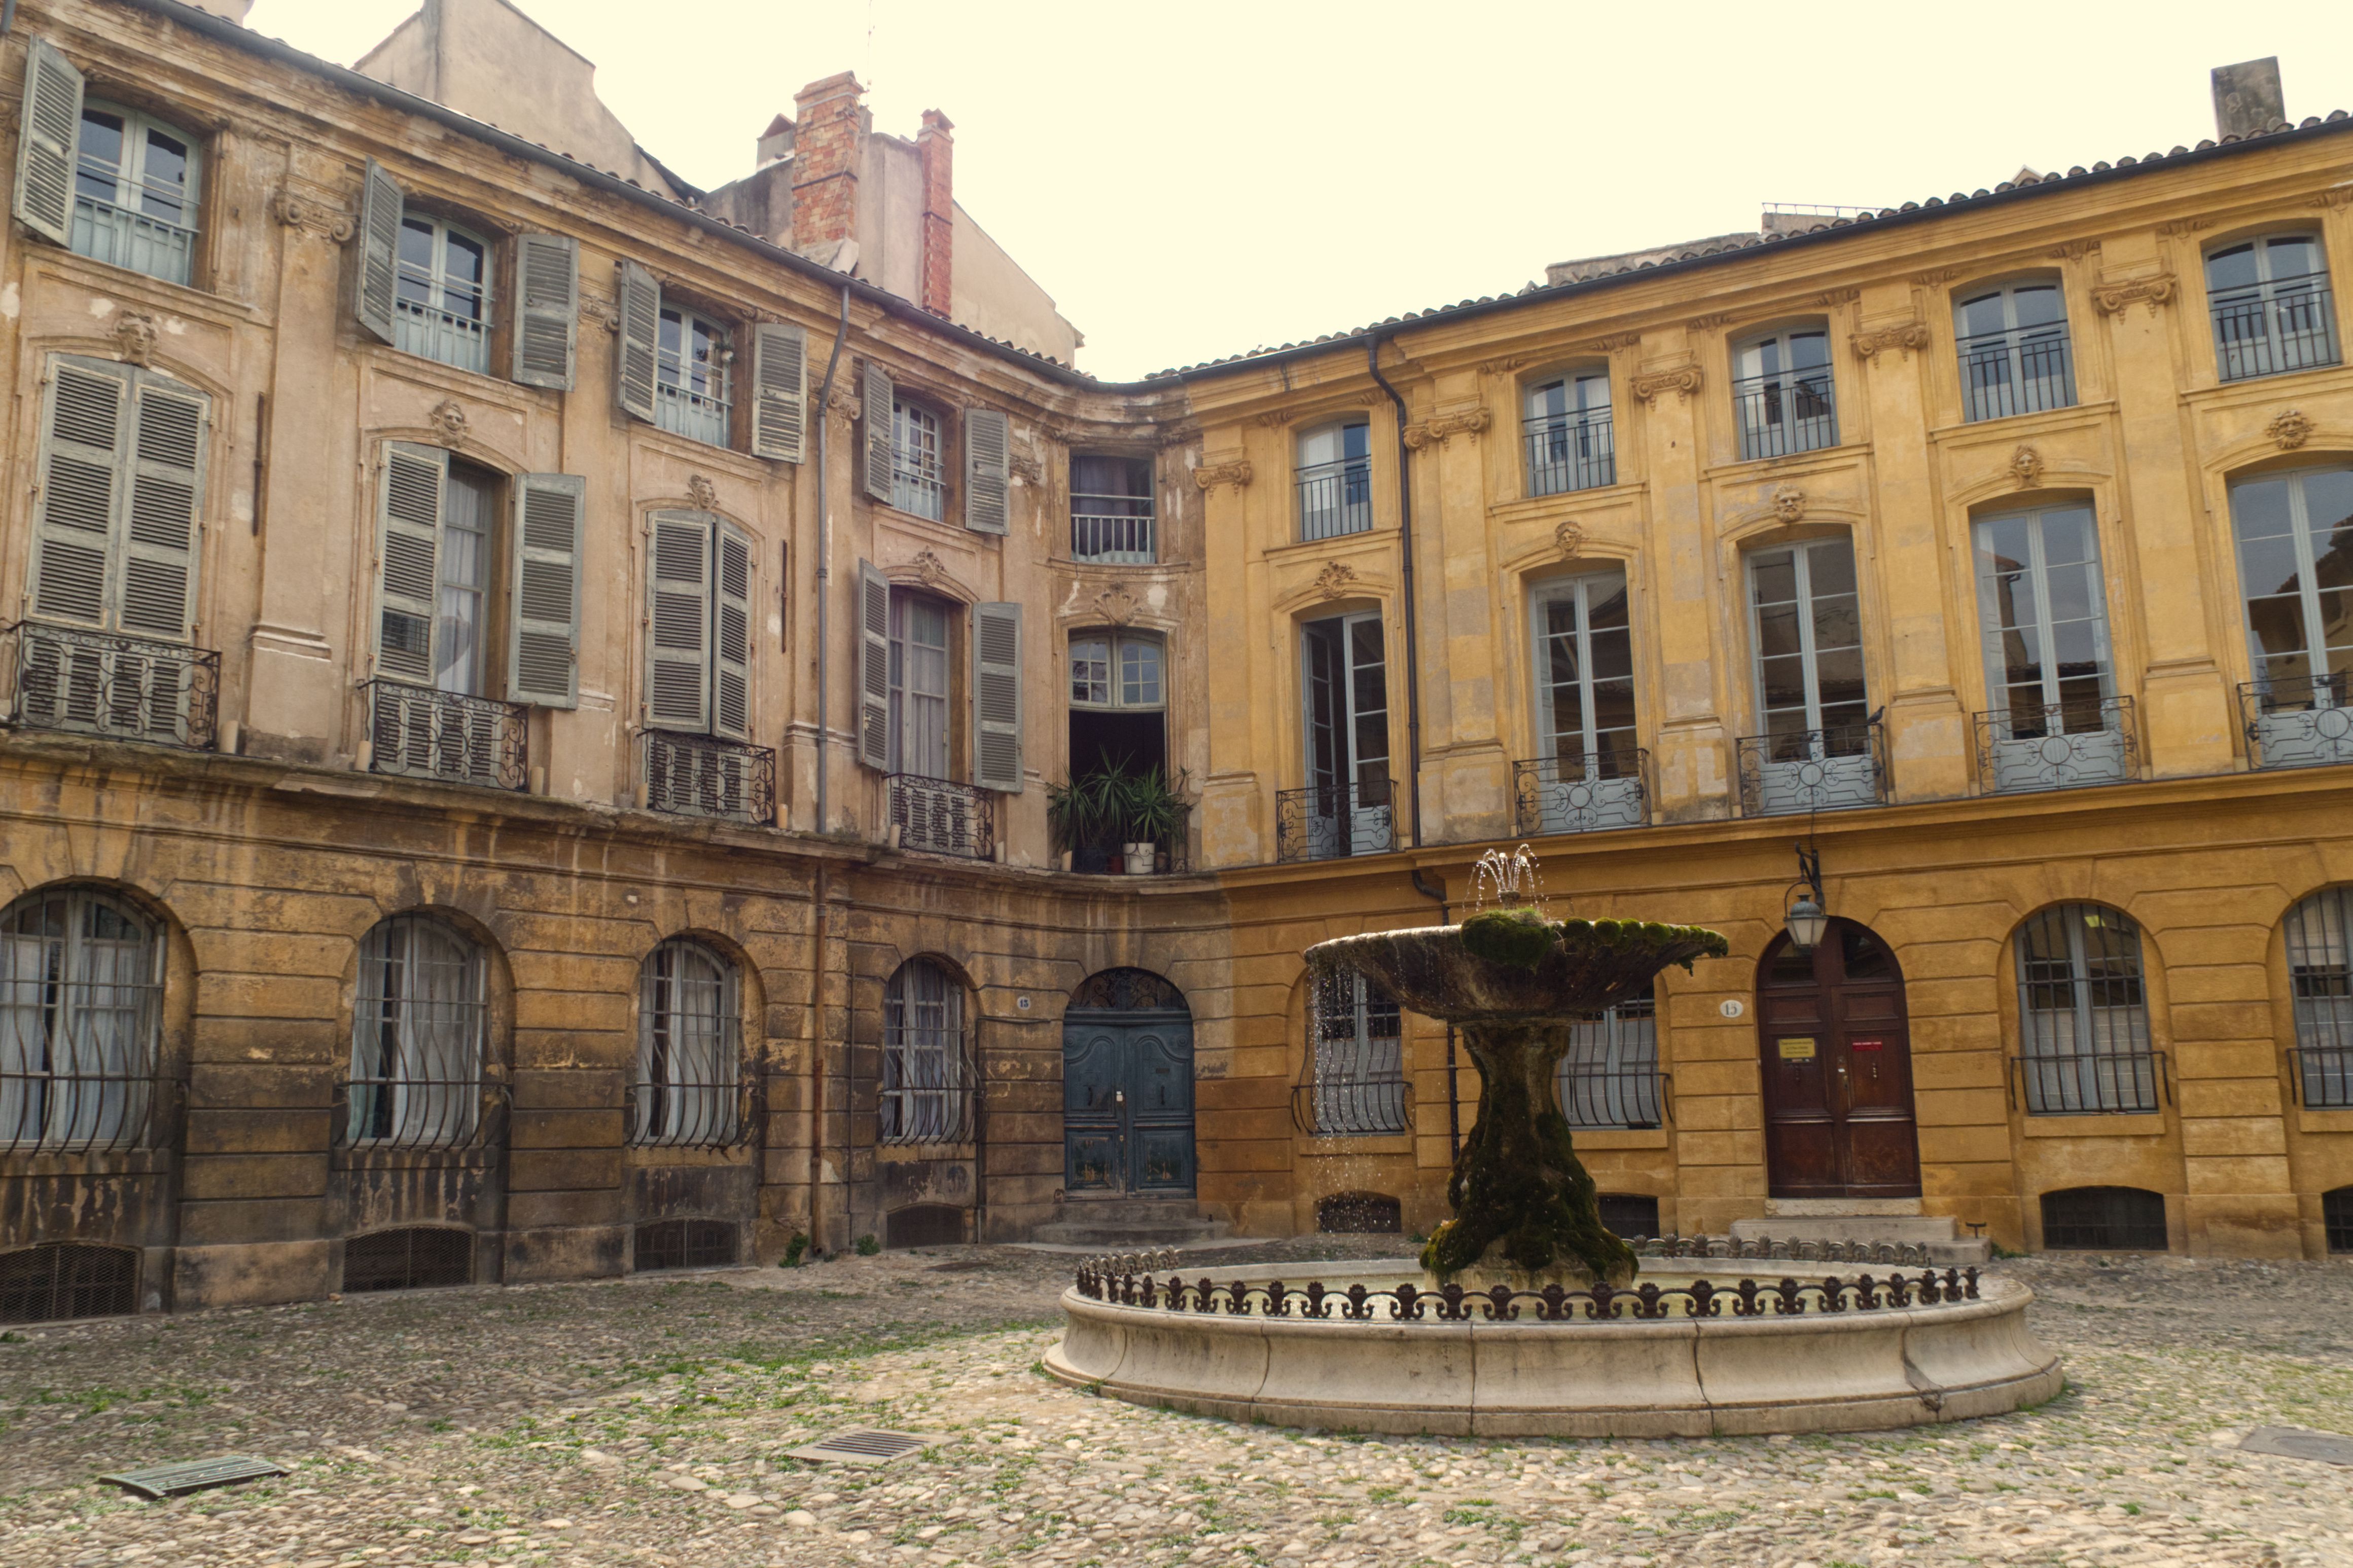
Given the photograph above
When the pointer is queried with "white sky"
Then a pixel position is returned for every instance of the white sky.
(1196, 179)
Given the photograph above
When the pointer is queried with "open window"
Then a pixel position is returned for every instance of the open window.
(105, 180)
(1118, 729)
(426, 287)
(1347, 807)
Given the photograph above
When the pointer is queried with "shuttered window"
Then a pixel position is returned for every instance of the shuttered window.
(699, 627)
(873, 667)
(547, 314)
(987, 444)
(543, 628)
(780, 391)
(997, 696)
(122, 499)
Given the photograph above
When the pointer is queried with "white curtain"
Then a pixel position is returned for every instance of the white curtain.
(78, 1023)
(923, 1051)
(417, 1040)
(686, 1048)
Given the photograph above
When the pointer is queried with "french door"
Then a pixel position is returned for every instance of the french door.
(1345, 666)
(1588, 776)
(2043, 617)
(1806, 627)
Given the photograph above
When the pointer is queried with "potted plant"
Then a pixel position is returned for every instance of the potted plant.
(1078, 814)
(1150, 814)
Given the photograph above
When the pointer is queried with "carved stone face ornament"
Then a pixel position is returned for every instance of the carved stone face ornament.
(1788, 503)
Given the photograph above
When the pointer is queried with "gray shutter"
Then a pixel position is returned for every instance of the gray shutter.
(678, 631)
(779, 391)
(633, 364)
(379, 284)
(997, 696)
(45, 142)
(408, 543)
(873, 667)
(876, 398)
(731, 637)
(987, 447)
(544, 590)
(157, 595)
(547, 309)
(85, 439)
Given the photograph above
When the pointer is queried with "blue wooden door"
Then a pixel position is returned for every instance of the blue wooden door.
(1127, 1103)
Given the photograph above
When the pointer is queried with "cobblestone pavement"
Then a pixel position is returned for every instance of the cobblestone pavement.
(646, 1422)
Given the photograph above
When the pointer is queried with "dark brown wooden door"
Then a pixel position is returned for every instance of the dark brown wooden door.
(1837, 1070)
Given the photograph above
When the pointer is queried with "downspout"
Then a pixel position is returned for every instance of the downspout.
(1454, 1069)
(825, 550)
(1404, 545)
(822, 921)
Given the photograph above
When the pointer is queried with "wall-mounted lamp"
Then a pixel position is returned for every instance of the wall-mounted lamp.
(1805, 917)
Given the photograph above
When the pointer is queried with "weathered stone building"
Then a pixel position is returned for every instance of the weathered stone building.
(533, 699)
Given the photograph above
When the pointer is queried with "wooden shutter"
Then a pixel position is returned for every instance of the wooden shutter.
(547, 310)
(873, 667)
(408, 543)
(379, 284)
(84, 440)
(544, 590)
(633, 365)
(876, 398)
(987, 447)
(997, 696)
(157, 590)
(45, 143)
(731, 639)
(779, 391)
(677, 624)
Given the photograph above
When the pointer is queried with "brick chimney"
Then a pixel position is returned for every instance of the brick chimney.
(938, 151)
(2247, 97)
(829, 146)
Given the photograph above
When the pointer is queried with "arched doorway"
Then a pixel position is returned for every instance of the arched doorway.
(1837, 1070)
(1127, 1087)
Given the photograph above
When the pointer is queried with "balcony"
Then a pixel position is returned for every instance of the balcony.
(1377, 1106)
(85, 1112)
(1622, 1097)
(445, 336)
(2292, 328)
(941, 816)
(1834, 769)
(2297, 721)
(1570, 452)
(120, 237)
(419, 733)
(697, 415)
(118, 687)
(2323, 1076)
(663, 1110)
(1335, 498)
(1331, 822)
(931, 1081)
(2067, 745)
(2028, 371)
(1113, 531)
(2093, 1083)
(698, 775)
(1586, 792)
(408, 1112)
(1785, 414)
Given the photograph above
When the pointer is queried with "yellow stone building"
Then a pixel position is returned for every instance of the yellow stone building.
(535, 695)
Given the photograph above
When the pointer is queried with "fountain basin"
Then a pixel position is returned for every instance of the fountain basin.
(1682, 1373)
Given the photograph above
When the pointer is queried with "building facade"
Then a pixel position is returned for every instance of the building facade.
(538, 705)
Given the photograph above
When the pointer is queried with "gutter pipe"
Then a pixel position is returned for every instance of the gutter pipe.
(1405, 543)
(825, 550)
(821, 918)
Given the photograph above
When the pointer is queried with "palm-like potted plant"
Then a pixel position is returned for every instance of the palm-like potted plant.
(1150, 814)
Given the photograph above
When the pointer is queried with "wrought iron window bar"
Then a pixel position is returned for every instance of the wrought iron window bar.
(106, 684)
(2273, 329)
(85, 1112)
(2067, 745)
(2297, 721)
(2027, 371)
(1570, 452)
(445, 336)
(941, 816)
(1335, 498)
(1113, 529)
(1375, 1106)
(1586, 792)
(419, 733)
(1629, 1097)
(671, 1112)
(135, 241)
(1785, 413)
(697, 415)
(2322, 1076)
(909, 1109)
(1331, 822)
(1837, 768)
(2091, 1083)
(410, 1112)
(699, 776)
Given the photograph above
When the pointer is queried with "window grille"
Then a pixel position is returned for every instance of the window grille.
(1110, 510)
(81, 991)
(2320, 976)
(1570, 441)
(690, 376)
(917, 477)
(686, 1088)
(1784, 394)
(683, 1244)
(1629, 1214)
(417, 1028)
(2299, 643)
(2104, 1219)
(416, 1258)
(1334, 479)
(1359, 1213)
(2015, 357)
(442, 309)
(2272, 307)
(60, 1281)
(2337, 1219)
(1359, 1087)
(924, 1097)
(2084, 1014)
(135, 194)
(1610, 1075)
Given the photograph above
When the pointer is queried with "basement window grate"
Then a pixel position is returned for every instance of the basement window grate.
(871, 1448)
(59, 1280)
(172, 1481)
(683, 1244)
(1629, 1214)
(417, 1258)
(2337, 1219)
(2103, 1219)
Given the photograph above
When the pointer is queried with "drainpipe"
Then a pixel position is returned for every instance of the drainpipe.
(1404, 545)
(825, 550)
(822, 921)
(1436, 893)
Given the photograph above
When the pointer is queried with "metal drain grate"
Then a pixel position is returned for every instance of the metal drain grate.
(2296, 1442)
(171, 1481)
(863, 1448)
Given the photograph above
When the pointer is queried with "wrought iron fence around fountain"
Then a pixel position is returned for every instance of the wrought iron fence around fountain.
(1780, 1249)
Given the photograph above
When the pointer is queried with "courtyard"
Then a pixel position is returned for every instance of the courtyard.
(648, 1421)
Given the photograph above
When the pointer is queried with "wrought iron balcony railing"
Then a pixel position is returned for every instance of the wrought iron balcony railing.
(121, 238)
(1113, 529)
(1377, 1106)
(445, 335)
(404, 1111)
(120, 688)
(2297, 721)
(697, 415)
(1834, 769)
(665, 1111)
(419, 733)
(931, 1085)
(2064, 746)
(941, 816)
(1794, 411)
(2093, 1083)
(1330, 822)
(2323, 1076)
(2028, 371)
(2291, 327)
(697, 775)
(1584, 792)
(84, 1112)
(1335, 498)
(1570, 452)
(1632, 1097)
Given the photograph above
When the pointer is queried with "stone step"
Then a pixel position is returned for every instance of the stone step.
(1130, 1225)
(1940, 1234)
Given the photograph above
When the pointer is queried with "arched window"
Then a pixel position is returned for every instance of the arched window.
(2014, 350)
(2271, 304)
(2083, 1040)
(442, 309)
(81, 994)
(685, 1090)
(2320, 976)
(1335, 478)
(135, 193)
(925, 1067)
(1784, 393)
(1570, 442)
(1610, 1075)
(418, 1023)
(1357, 1035)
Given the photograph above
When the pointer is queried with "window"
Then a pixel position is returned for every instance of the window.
(2014, 350)
(2295, 566)
(2042, 620)
(135, 193)
(691, 389)
(2083, 1013)
(906, 462)
(418, 1024)
(1784, 394)
(916, 482)
(1568, 435)
(1335, 479)
(699, 635)
(1629, 1214)
(1590, 774)
(683, 1244)
(2104, 1219)
(1806, 623)
(1359, 1034)
(415, 1258)
(2337, 1219)
(2320, 976)
(1345, 808)
(443, 303)
(684, 1091)
(923, 1055)
(57, 1281)
(1609, 1075)
(1111, 509)
(919, 686)
(1110, 670)
(2270, 300)
(82, 993)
